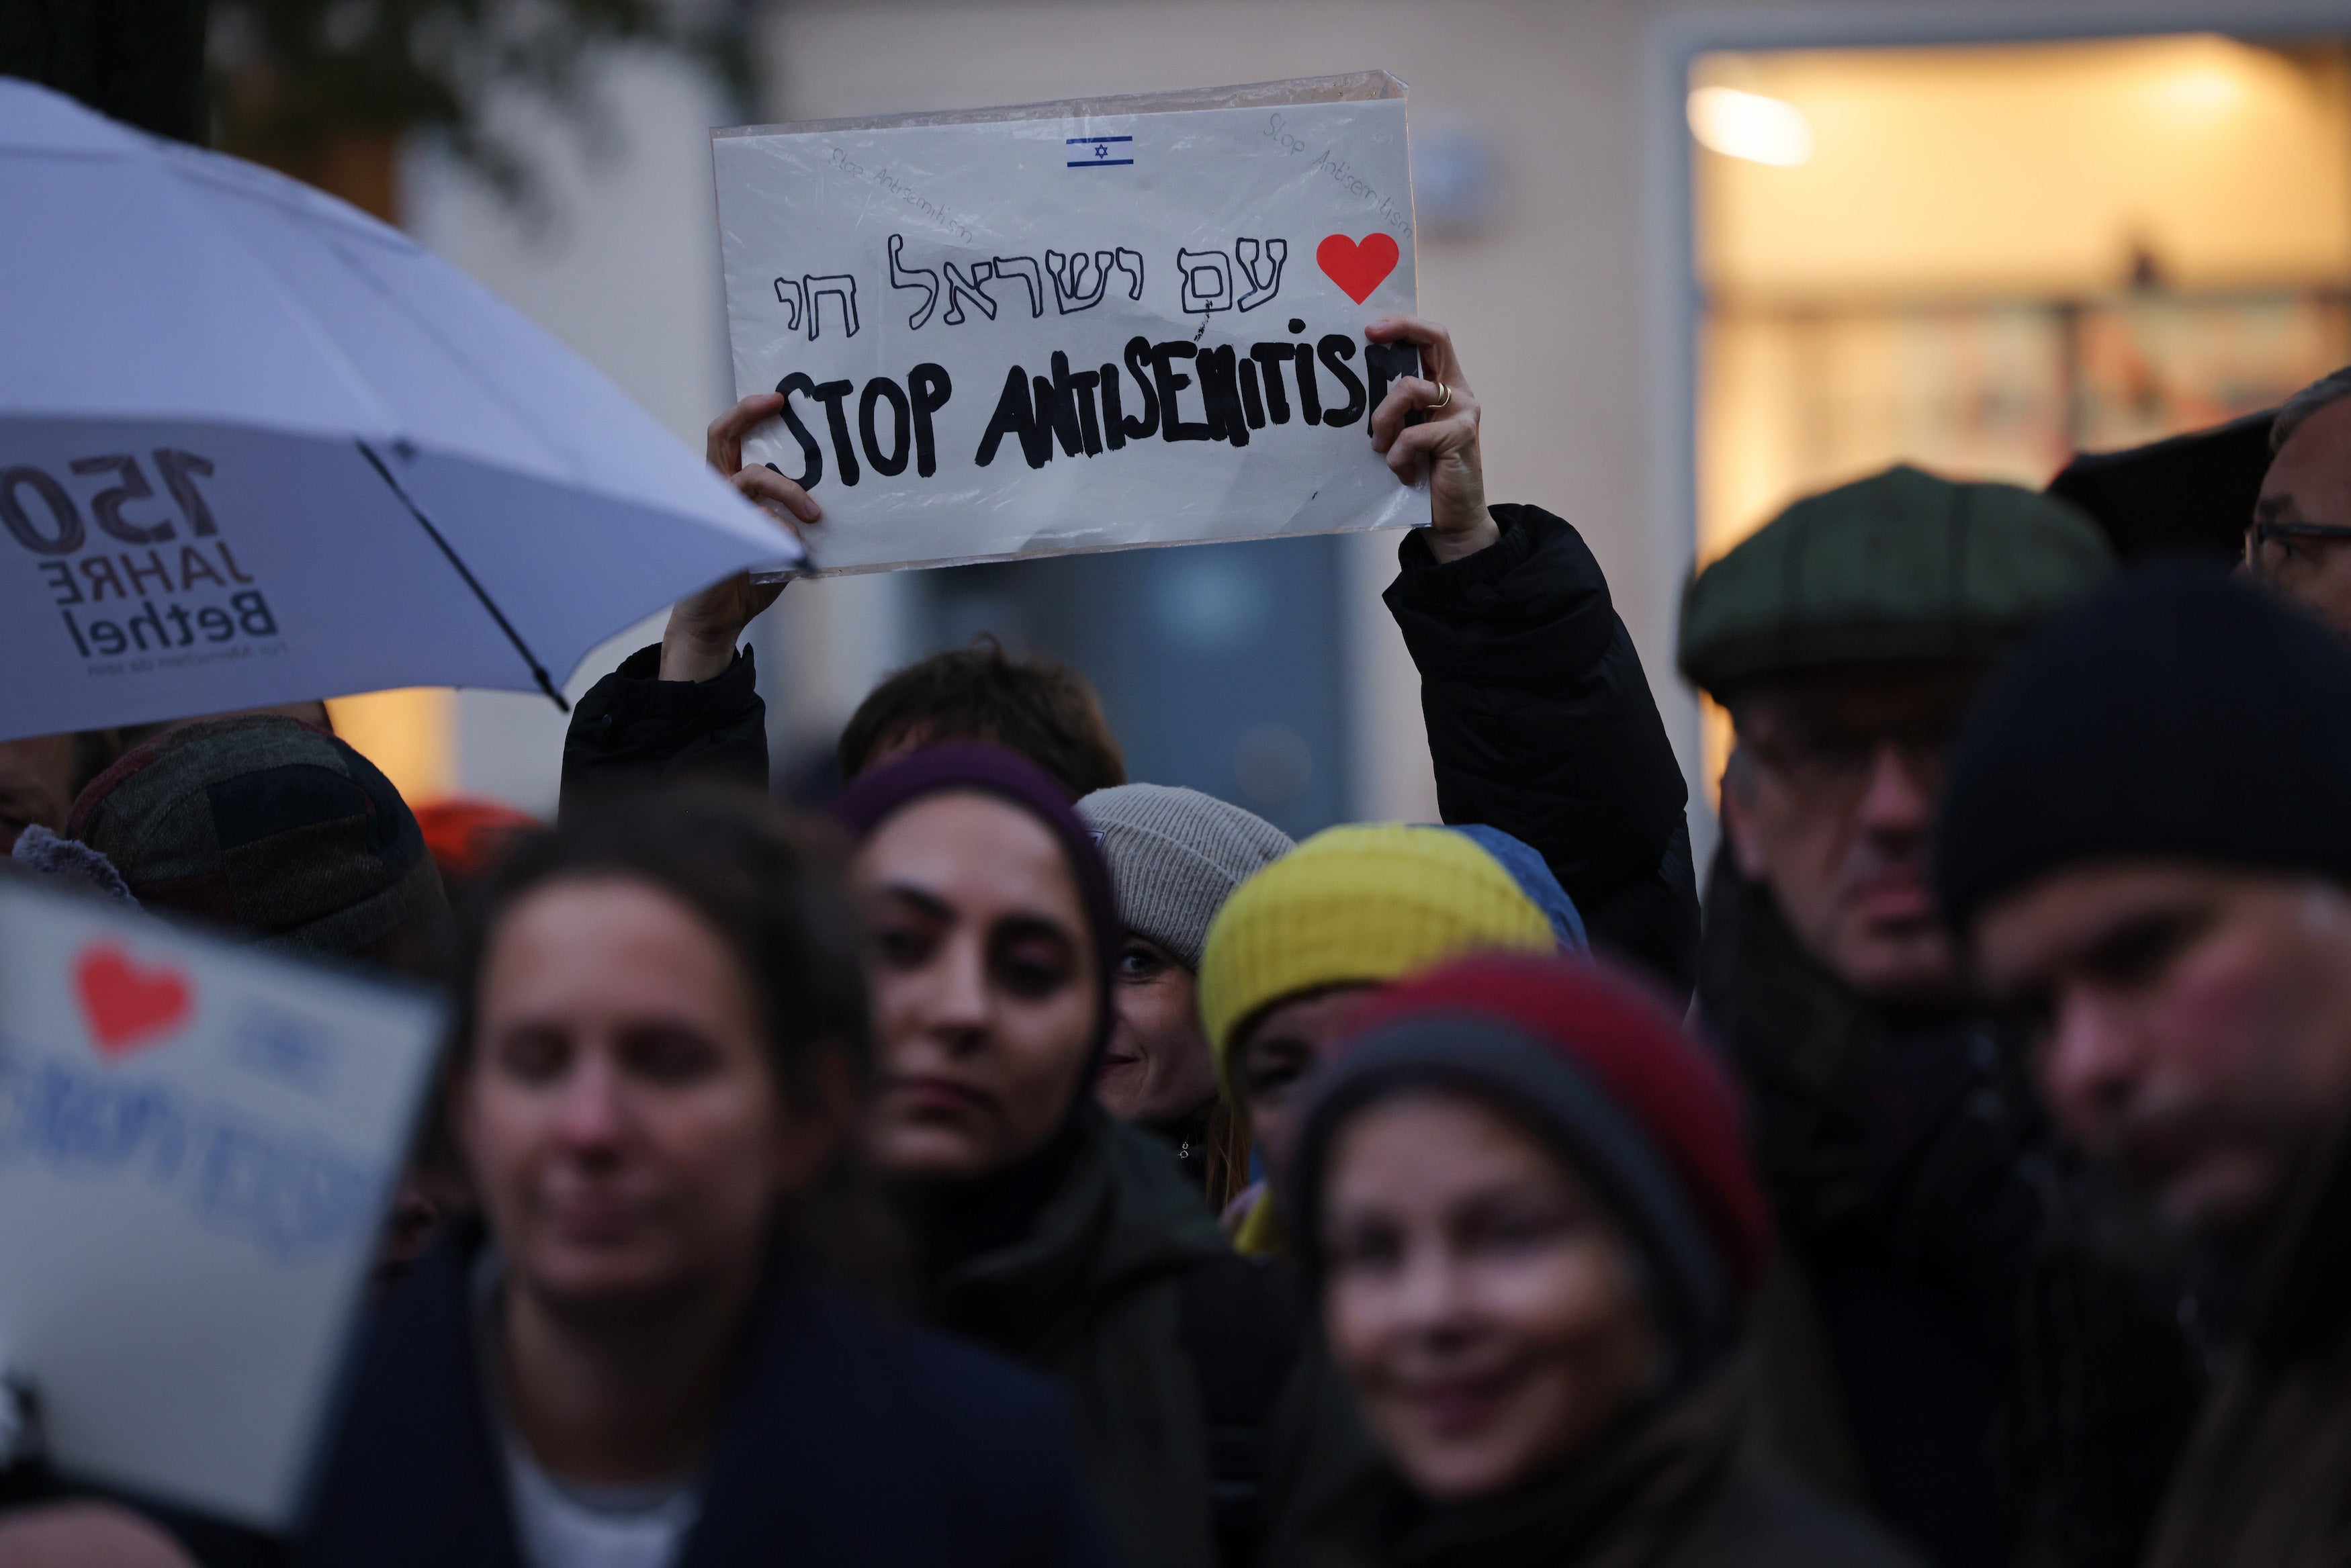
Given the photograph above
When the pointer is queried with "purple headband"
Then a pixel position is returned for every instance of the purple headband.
(975, 765)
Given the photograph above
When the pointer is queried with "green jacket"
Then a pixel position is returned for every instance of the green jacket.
(1094, 1295)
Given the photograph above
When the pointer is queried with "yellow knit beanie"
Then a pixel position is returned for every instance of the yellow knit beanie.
(1355, 905)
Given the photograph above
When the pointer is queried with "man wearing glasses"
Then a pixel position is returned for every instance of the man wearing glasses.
(2300, 540)
(1936, 1345)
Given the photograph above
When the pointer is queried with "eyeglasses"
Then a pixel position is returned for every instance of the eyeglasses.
(2271, 554)
(1832, 760)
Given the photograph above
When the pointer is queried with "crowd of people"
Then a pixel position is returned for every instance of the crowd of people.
(1014, 1163)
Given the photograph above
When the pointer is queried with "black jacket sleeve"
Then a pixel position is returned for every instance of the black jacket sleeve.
(1541, 724)
(633, 727)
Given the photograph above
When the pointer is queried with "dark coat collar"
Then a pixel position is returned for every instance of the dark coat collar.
(2301, 1301)
(1118, 1218)
(1627, 1500)
(846, 1435)
(1808, 1049)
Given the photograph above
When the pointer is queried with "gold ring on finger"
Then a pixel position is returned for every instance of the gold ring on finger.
(1441, 401)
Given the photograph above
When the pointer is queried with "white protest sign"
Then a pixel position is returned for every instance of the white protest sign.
(197, 1142)
(1080, 325)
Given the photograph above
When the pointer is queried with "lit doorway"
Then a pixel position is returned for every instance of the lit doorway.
(1984, 258)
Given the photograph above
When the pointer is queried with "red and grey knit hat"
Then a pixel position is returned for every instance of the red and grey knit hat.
(267, 825)
(1598, 1068)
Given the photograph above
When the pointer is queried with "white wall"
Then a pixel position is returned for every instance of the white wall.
(623, 267)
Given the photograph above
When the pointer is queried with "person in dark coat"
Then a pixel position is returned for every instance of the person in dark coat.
(1540, 723)
(1524, 1204)
(275, 830)
(270, 827)
(1945, 1339)
(690, 704)
(1043, 1228)
(635, 1356)
(2298, 539)
(2145, 844)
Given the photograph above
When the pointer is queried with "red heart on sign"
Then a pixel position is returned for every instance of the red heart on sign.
(126, 1006)
(1357, 266)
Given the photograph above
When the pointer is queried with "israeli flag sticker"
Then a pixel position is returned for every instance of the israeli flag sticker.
(1101, 151)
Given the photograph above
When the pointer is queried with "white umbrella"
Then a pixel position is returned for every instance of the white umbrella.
(258, 446)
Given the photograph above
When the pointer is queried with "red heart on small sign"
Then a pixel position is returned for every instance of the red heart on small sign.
(126, 1007)
(1357, 266)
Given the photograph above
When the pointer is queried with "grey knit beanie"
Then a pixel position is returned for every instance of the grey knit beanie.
(1176, 854)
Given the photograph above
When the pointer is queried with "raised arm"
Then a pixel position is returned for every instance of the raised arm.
(691, 703)
(1540, 722)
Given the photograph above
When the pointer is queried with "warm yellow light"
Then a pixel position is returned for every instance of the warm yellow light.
(2201, 89)
(1750, 126)
(408, 733)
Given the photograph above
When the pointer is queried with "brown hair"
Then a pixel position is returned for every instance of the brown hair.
(770, 886)
(1039, 707)
(768, 883)
(1227, 1137)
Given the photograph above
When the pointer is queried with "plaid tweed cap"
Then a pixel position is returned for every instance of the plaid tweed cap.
(269, 825)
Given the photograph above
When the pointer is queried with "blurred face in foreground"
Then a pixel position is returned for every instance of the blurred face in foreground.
(618, 1109)
(1159, 1069)
(1830, 805)
(2300, 544)
(984, 986)
(1275, 1052)
(1478, 1298)
(2194, 1024)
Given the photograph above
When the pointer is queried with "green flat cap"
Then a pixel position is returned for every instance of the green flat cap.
(1900, 566)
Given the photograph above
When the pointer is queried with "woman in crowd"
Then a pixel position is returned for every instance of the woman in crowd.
(1291, 951)
(1174, 856)
(1043, 1227)
(1524, 1205)
(631, 1360)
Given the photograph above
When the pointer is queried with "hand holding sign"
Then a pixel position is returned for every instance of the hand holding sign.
(699, 642)
(1443, 447)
